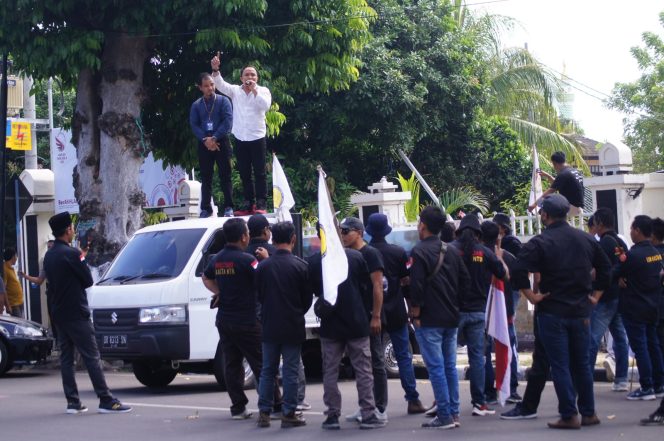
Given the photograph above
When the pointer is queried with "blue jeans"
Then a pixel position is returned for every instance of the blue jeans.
(514, 364)
(272, 352)
(645, 344)
(471, 328)
(438, 346)
(404, 358)
(605, 316)
(567, 343)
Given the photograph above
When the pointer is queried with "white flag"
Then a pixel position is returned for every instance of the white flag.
(333, 256)
(535, 180)
(282, 196)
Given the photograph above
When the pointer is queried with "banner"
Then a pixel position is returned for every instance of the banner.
(159, 183)
(63, 161)
(496, 327)
(333, 256)
(282, 196)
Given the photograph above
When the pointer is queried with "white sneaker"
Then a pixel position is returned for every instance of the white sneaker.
(303, 406)
(382, 416)
(610, 367)
(355, 417)
(620, 387)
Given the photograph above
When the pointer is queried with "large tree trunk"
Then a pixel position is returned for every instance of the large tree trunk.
(109, 145)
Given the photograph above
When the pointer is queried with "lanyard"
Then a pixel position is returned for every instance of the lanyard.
(209, 112)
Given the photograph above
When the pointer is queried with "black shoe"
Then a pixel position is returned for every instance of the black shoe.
(655, 419)
(372, 423)
(518, 413)
(261, 207)
(113, 406)
(514, 398)
(331, 423)
(74, 408)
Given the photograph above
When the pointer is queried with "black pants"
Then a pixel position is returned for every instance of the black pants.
(378, 371)
(80, 335)
(206, 161)
(537, 375)
(251, 155)
(238, 342)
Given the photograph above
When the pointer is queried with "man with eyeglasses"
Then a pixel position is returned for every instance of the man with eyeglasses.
(352, 230)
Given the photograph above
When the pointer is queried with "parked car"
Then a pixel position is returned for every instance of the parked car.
(22, 343)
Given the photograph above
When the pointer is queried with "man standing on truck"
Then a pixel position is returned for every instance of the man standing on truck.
(285, 295)
(68, 276)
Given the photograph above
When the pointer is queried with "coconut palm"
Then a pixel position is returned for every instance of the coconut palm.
(521, 90)
(463, 197)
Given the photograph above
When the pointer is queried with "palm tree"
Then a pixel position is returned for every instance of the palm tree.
(521, 90)
(463, 197)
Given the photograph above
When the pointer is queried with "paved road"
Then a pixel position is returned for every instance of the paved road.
(32, 408)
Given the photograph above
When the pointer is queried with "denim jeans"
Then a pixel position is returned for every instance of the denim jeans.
(471, 328)
(605, 316)
(514, 364)
(404, 358)
(272, 352)
(645, 344)
(567, 342)
(438, 346)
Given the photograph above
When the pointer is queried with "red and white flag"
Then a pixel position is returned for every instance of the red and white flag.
(496, 327)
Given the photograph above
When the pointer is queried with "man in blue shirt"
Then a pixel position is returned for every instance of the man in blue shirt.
(211, 119)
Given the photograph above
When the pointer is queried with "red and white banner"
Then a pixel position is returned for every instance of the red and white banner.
(496, 327)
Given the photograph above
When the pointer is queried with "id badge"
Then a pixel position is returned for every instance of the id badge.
(210, 127)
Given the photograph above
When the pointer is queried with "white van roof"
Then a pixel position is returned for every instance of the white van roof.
(207, 223)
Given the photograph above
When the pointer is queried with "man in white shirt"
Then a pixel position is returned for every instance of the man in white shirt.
(250, 103)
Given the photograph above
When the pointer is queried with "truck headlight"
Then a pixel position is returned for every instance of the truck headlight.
(163, 314)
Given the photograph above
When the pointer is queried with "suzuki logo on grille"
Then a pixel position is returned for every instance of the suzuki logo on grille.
(114, 317)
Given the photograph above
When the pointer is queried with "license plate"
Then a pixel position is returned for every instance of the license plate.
(114, 341)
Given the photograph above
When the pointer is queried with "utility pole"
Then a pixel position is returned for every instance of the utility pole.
(3, 150)
(30, 113)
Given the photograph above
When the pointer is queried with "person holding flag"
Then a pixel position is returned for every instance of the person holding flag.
(339, 278)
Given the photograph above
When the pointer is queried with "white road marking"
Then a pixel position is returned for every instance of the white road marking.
(216, 409)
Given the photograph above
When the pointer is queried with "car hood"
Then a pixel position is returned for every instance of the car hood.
(18, 321)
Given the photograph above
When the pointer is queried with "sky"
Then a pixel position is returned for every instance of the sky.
(590, 40)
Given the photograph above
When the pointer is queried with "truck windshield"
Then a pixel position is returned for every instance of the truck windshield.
(154, 256)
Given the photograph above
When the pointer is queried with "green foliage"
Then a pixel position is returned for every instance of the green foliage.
(153, 217)
(412, 208)
(519, 202)
(463, 198)
(643, 100)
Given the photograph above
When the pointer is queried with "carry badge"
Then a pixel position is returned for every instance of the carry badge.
(210, 126)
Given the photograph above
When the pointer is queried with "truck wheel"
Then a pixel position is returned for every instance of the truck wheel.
(391, 365)
(5, 362)
(154, 373)
(218, 371)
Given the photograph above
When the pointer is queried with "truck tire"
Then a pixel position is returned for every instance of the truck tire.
(5, 362)
(391, 365)
(154, 373)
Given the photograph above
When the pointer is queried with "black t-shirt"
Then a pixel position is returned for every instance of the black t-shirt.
(349, 317)
(510, 261)
(660, 248)
(641, 299)
(257, 242)
(396, 268)
(235, 274)
(481, 266)
(614, 247)
(569, 183)
(285, 295)
(512, 244)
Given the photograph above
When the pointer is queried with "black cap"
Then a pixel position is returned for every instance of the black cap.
(60, 222)
(256, 224)
(470, 221)
(502, 219)
(352, 223)
(555, 205)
